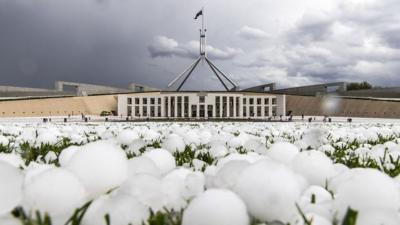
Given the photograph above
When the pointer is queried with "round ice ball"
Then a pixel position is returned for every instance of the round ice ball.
(162, 158)
(174, 143)
(218, 150)
(121, 209)
(216, 207)
(3, 141)
(283, 152)
(100, 166)
(372, 217)
(125, 137)
(229, 173)
(365, 189)
(9, 220)
(55, 191)
(67, 154)
(13, 159)
(315, 166)
(270, 191)
(10, 188)
(139, 165)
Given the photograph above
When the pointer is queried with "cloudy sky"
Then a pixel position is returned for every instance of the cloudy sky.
(116, 42)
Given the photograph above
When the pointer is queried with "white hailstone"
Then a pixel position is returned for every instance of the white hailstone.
(146, 188)
(283, 152)
(218, 151)
(216, 207)
(227, 175)
(3, 141)
(315, 166)
(9, 220)
(317, 193)
(100, 166)
(372, 217)
(191, 137)
(50, 157)
(135, 146)
(13, 159)
(139, 165)
(340, 168)
(252, 144)
(35, 169)
(46, 137)
(162, 158)
(326, 148)
(173, 143)
(314, 137)
(55, 191)
(67, 154)
(125, 137)
(180, 185)
(317, 219)
(365, 189)
(205, 137)
(235, 142)
(270, 191)
(10, 188)
(121, 209)
(198, 164)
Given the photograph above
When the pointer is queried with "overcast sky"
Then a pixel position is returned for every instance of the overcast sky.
(115, 42)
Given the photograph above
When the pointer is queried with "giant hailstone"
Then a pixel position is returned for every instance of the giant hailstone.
(100, 166)
(216, 207)
(364, 190)
(10, 188)
(270, 191)
(315, 166)
(174, 143)
(55, 191)
(283, 152)
(162, 158)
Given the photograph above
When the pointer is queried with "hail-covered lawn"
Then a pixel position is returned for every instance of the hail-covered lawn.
(200, 173)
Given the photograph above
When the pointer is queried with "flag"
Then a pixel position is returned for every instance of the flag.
(200, 13)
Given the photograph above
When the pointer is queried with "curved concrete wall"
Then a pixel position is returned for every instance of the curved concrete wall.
(345, 107)
(90, 105)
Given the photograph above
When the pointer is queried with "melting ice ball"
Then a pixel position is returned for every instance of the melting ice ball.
(216, 207)
(100, 166)
(10, 187)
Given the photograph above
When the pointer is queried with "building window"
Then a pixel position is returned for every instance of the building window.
(137, 101)
(144, 100)
(251, 111)
(194, 110)
(273, 101)
(144, 108)
(202, 99)
(244, 111)
(237, 106)
(129, 110)
(152, 101)
(266, 101)
(159, 101)
(259, 110)
(137, 112)
(152, 111)
(129, 101)
(251, 101)
(258, 101)
(244, 101)
(266, 111)
(217, 105)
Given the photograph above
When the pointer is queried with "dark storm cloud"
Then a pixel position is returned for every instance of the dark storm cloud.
(115, 42)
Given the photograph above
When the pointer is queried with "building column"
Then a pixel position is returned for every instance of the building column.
(183, 106)
(228, 106)
(234, 107)
(169, 106)
(176, 107)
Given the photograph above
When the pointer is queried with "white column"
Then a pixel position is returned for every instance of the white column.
(234, 107)
(228, 106)
(262, 107)
(270, 107)
(176, 106)
(169, 106)
(240, 107)
(182, 106)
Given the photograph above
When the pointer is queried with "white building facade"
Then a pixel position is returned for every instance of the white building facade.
(198, 105)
